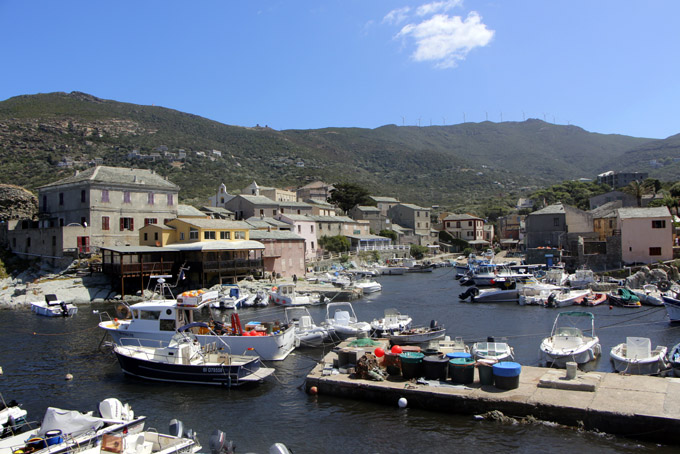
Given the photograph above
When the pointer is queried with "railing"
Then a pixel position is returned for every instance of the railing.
(137, 268)
(389, 247)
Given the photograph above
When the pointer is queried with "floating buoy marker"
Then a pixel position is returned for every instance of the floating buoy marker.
(313, 390)
(69, 377)
(403, 402)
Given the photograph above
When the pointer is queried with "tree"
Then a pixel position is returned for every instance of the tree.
(347, 195)
(338, 243)
(389, 234)
(418, 252)
(637, 190)
(652, 184)
(675, 189)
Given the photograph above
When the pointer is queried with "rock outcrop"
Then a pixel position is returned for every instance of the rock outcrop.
(17, 203)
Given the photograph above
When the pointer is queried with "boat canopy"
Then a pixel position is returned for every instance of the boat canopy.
(577, 314)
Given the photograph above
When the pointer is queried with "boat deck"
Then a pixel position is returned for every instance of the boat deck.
(634, 406)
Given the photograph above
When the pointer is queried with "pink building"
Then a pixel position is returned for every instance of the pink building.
(305, 227)
(646, 234)
(284, 252)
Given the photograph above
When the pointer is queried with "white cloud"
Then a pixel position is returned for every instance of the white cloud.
(437, 7)
(447, 40)
(396, 16)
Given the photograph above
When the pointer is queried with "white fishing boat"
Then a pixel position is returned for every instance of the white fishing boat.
(307, 333)
(499, 294)
(368, 285)
(53, 307)
(671, 301)
(535, 293)
(12, 418)
(487, 275)
(65, 431)
(567, 297)
(391, 322)
(391, 270)
(492, 350)
(568, 343)
(341, 318)
(649, 295)
(286, 295)
(446, 345)
(636, 357)
(158, 319)
(185, 360)
(230, 297)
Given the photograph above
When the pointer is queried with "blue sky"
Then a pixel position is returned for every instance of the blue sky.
(607, 66)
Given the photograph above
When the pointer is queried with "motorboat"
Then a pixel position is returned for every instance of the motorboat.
(649, 295)
(624, 298)
(594, 300)
(413, 267)
(368, 285)
(286, 295)
(636, 357)
(674, 359)
(556, 276)
(535, 293)
(185, 360)
(391, 322)
(672, 304)
(567, 297)
(149, 442)
(261, 299)
(231, 297)
(568, 343)
(220, 445)
(417, 335)
(503, 291)
(581, 278)
(307, 333)
(492, 350)
(12, 418)
(446, 345)
(391, 270)
(487, 275)
(65, 431)
(341, 318)
(53, 307)
(159, 319)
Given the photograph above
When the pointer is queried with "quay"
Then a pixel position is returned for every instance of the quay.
(634, 406)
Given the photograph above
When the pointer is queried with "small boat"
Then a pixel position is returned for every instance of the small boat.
(185, 360)
(567, 297)
(149, 442)
(446, 345)
(261, 299)
(569, 343)
(285, 295)
(672, 304)
(53, 307)
(391, 270)
(417, 335)
(636, 357)
(368, 285)
(231, 297)
(413, 267)
(674, 359)
(594, 300)
(624, 298)
(65, 431)
(307, 333)
(344, 322)
(487, 275)
(492, 350)
(12, 418)
(581, 278)
(556, 276)
(220, 445)
(649, 295)
(503, 291)
(392, 322)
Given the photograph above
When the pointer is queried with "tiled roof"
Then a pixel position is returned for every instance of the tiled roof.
(188, 210)
(119, 175)
(656, 212)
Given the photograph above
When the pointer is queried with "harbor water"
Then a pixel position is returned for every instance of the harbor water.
(38, 353)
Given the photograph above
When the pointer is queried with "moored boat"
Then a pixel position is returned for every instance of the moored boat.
(417, 335)
(672, 305)
(392, 321)
(286, 295)
(341, 318)
(185, 360)
(568, 343)
(674, 359)
(649, 295)
(307, 333)
(492, 350)
(567, 297)
(636, 357)
(624, 298)
(53, 307)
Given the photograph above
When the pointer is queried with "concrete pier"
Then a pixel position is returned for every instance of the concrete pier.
(633, 406)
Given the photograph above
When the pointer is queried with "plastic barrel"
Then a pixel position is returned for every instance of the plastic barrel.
(454, 355)
(53, 437)
(462, 370)
(392, 363)
(506, 375)
(485, 371)
(411, 365)
(435, 367)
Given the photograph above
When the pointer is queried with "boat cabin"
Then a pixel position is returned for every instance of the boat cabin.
(168, 314)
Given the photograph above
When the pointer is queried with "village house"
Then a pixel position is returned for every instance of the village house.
(320, 207)
(551, 225)
(304, 227)
(218, 213)
(284, 252)
(627, 200)
(100, 206)
(373, 215)
(316, 190)
(384, 203)
(413, 217)
(466, 227)
(646, 234)
(617, 180)
(275, 194)
(605, 219)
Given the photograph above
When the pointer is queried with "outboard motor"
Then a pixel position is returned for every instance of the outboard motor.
(176, 427)
(64, 309)
(218, 443)
(433, 324)
(490, 339)
(472, 291)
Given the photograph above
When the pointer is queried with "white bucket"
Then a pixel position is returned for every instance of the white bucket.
(572, 367)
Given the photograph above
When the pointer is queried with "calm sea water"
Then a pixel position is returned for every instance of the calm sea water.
(38, 352)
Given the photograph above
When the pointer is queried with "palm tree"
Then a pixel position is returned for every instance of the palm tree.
(637, 189)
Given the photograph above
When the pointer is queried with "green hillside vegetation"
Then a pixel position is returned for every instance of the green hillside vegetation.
(475, 167)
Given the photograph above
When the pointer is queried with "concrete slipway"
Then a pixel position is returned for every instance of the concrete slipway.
(629, 405)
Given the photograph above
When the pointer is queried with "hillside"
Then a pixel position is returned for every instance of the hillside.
(660, 158)
(44, 137)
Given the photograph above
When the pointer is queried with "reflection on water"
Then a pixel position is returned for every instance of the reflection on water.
(39, 352)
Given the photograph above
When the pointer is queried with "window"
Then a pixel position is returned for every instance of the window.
(556, 222)
(209, 235)
(44, 205)
(155, 236)
(105, 196)
(61, 222)
(149, 198)
(611, 223)
(240, 235)
(261, 212)
(83, 196)
(126, 197)
(54, 240)
(469, 223)
(418, 225)
(61, 198)
(83, 222)
(274, 212)
(149, 315)
(148, 221)
(654, 251)
(193, 234)
(127, 224)
(225, 235)
(28, 242)
(311, 227)
(181, 236)
(146, 236)
(312, 245)
(171, 200)
(299, 228)
(457, 224)
(658, 224)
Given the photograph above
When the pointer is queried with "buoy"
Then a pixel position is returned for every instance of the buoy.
(396, 349)
(611, 307)
(313, 390)
(379, 352)
(403, 402)
(69, 377)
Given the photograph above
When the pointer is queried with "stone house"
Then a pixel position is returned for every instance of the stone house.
(627, 200)
(316, 190)
(551, 225)
(304, 227)
(413, 217)
(373, 215)
(605, 219)
(384, 203)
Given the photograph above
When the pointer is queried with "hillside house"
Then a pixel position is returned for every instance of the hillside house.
(384, 203)
(605, 219)
(284, 252)
(371, 214)
(316, 190)
(413, 217)
(466, 227)
(551, 225)
(627, 200)
(646, 234)
(617, 180)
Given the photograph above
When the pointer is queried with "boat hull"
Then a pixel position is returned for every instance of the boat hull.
(417, 338)
(559, 357)
(54, 310)
(645, 366)
(672, 308)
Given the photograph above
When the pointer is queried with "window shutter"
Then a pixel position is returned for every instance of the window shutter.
(132, 223)
(122, 224)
